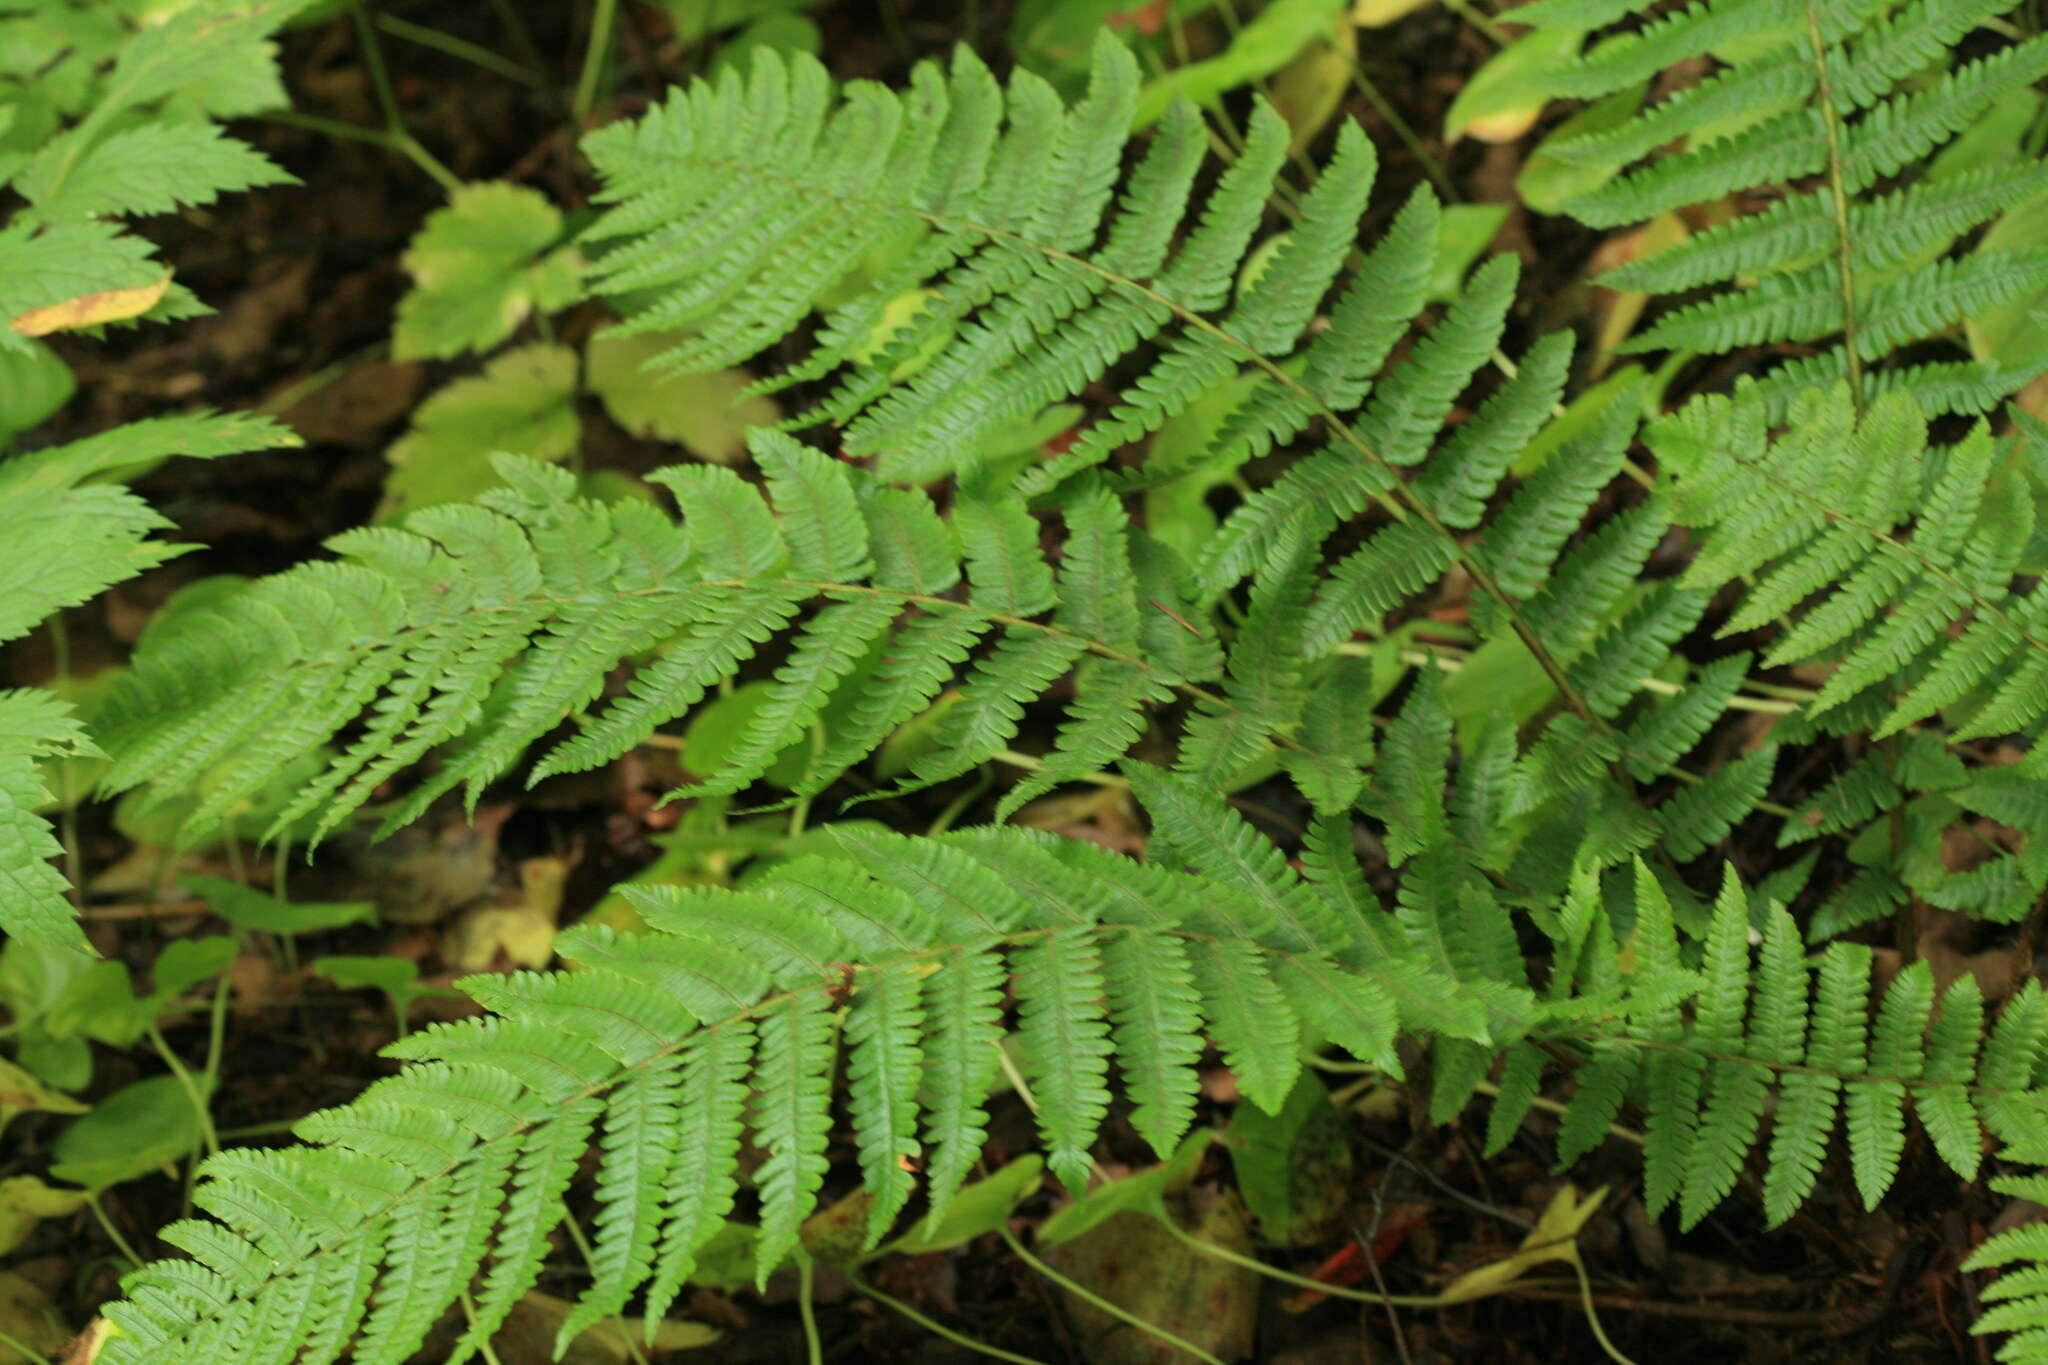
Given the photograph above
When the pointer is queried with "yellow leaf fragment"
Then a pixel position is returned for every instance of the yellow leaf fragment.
(91, 310)
(1380, 13)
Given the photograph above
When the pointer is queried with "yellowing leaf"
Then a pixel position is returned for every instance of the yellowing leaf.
(1504, 98)
(1625, 306)
(25, 1201)
(1554, 1238)
(29, 1320)
(525, 932)
(92, 310)
(20, 1092)
(704, 413)
(1308, 90)
(1380, 13)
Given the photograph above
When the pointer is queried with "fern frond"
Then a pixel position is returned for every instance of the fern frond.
(452, 1172)
(1791, 91)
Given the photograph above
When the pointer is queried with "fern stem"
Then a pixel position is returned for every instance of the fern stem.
(483, 1346)
(1096, 1300)
(1415, 505)
(1033, 764)
(1838, 191)
(934, 1326)
(1449, 658)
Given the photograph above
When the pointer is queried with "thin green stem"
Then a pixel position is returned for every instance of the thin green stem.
(400, 143)
(99, 1211)
(957, 807)
(373, 63)
(583, 1249)
(514, 23)
(67, 798)
(595, 58)
(21, 1348)
(460, 48)
(814, 1347)
(209, 1139)
(1471, 15)
(1593, 1316)
(483, 1347)
(216, 1033)
(1410, 139)
(1376, 1296)
(1086, 1295)
(397, 135)
(935, 1327)
(274, 1128)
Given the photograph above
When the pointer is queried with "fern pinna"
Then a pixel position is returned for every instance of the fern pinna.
(1815, 122)
(1910, 571)
(71, 535)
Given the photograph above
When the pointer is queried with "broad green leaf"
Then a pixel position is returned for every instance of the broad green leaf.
(1265, 44)
(2013, 333)
(522, 404)
(1547, 181)
(25, 1201)
(1294, 1167)
(706, 414)
(979, 1207)
(186, 962)
(480, 267)
(1463, 232)
(22, 1093)
(1312, 87)
(780, 33)
(247, 908)
(138, 1129)
(1139, 1193)
(395, 976)
(34, 383)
